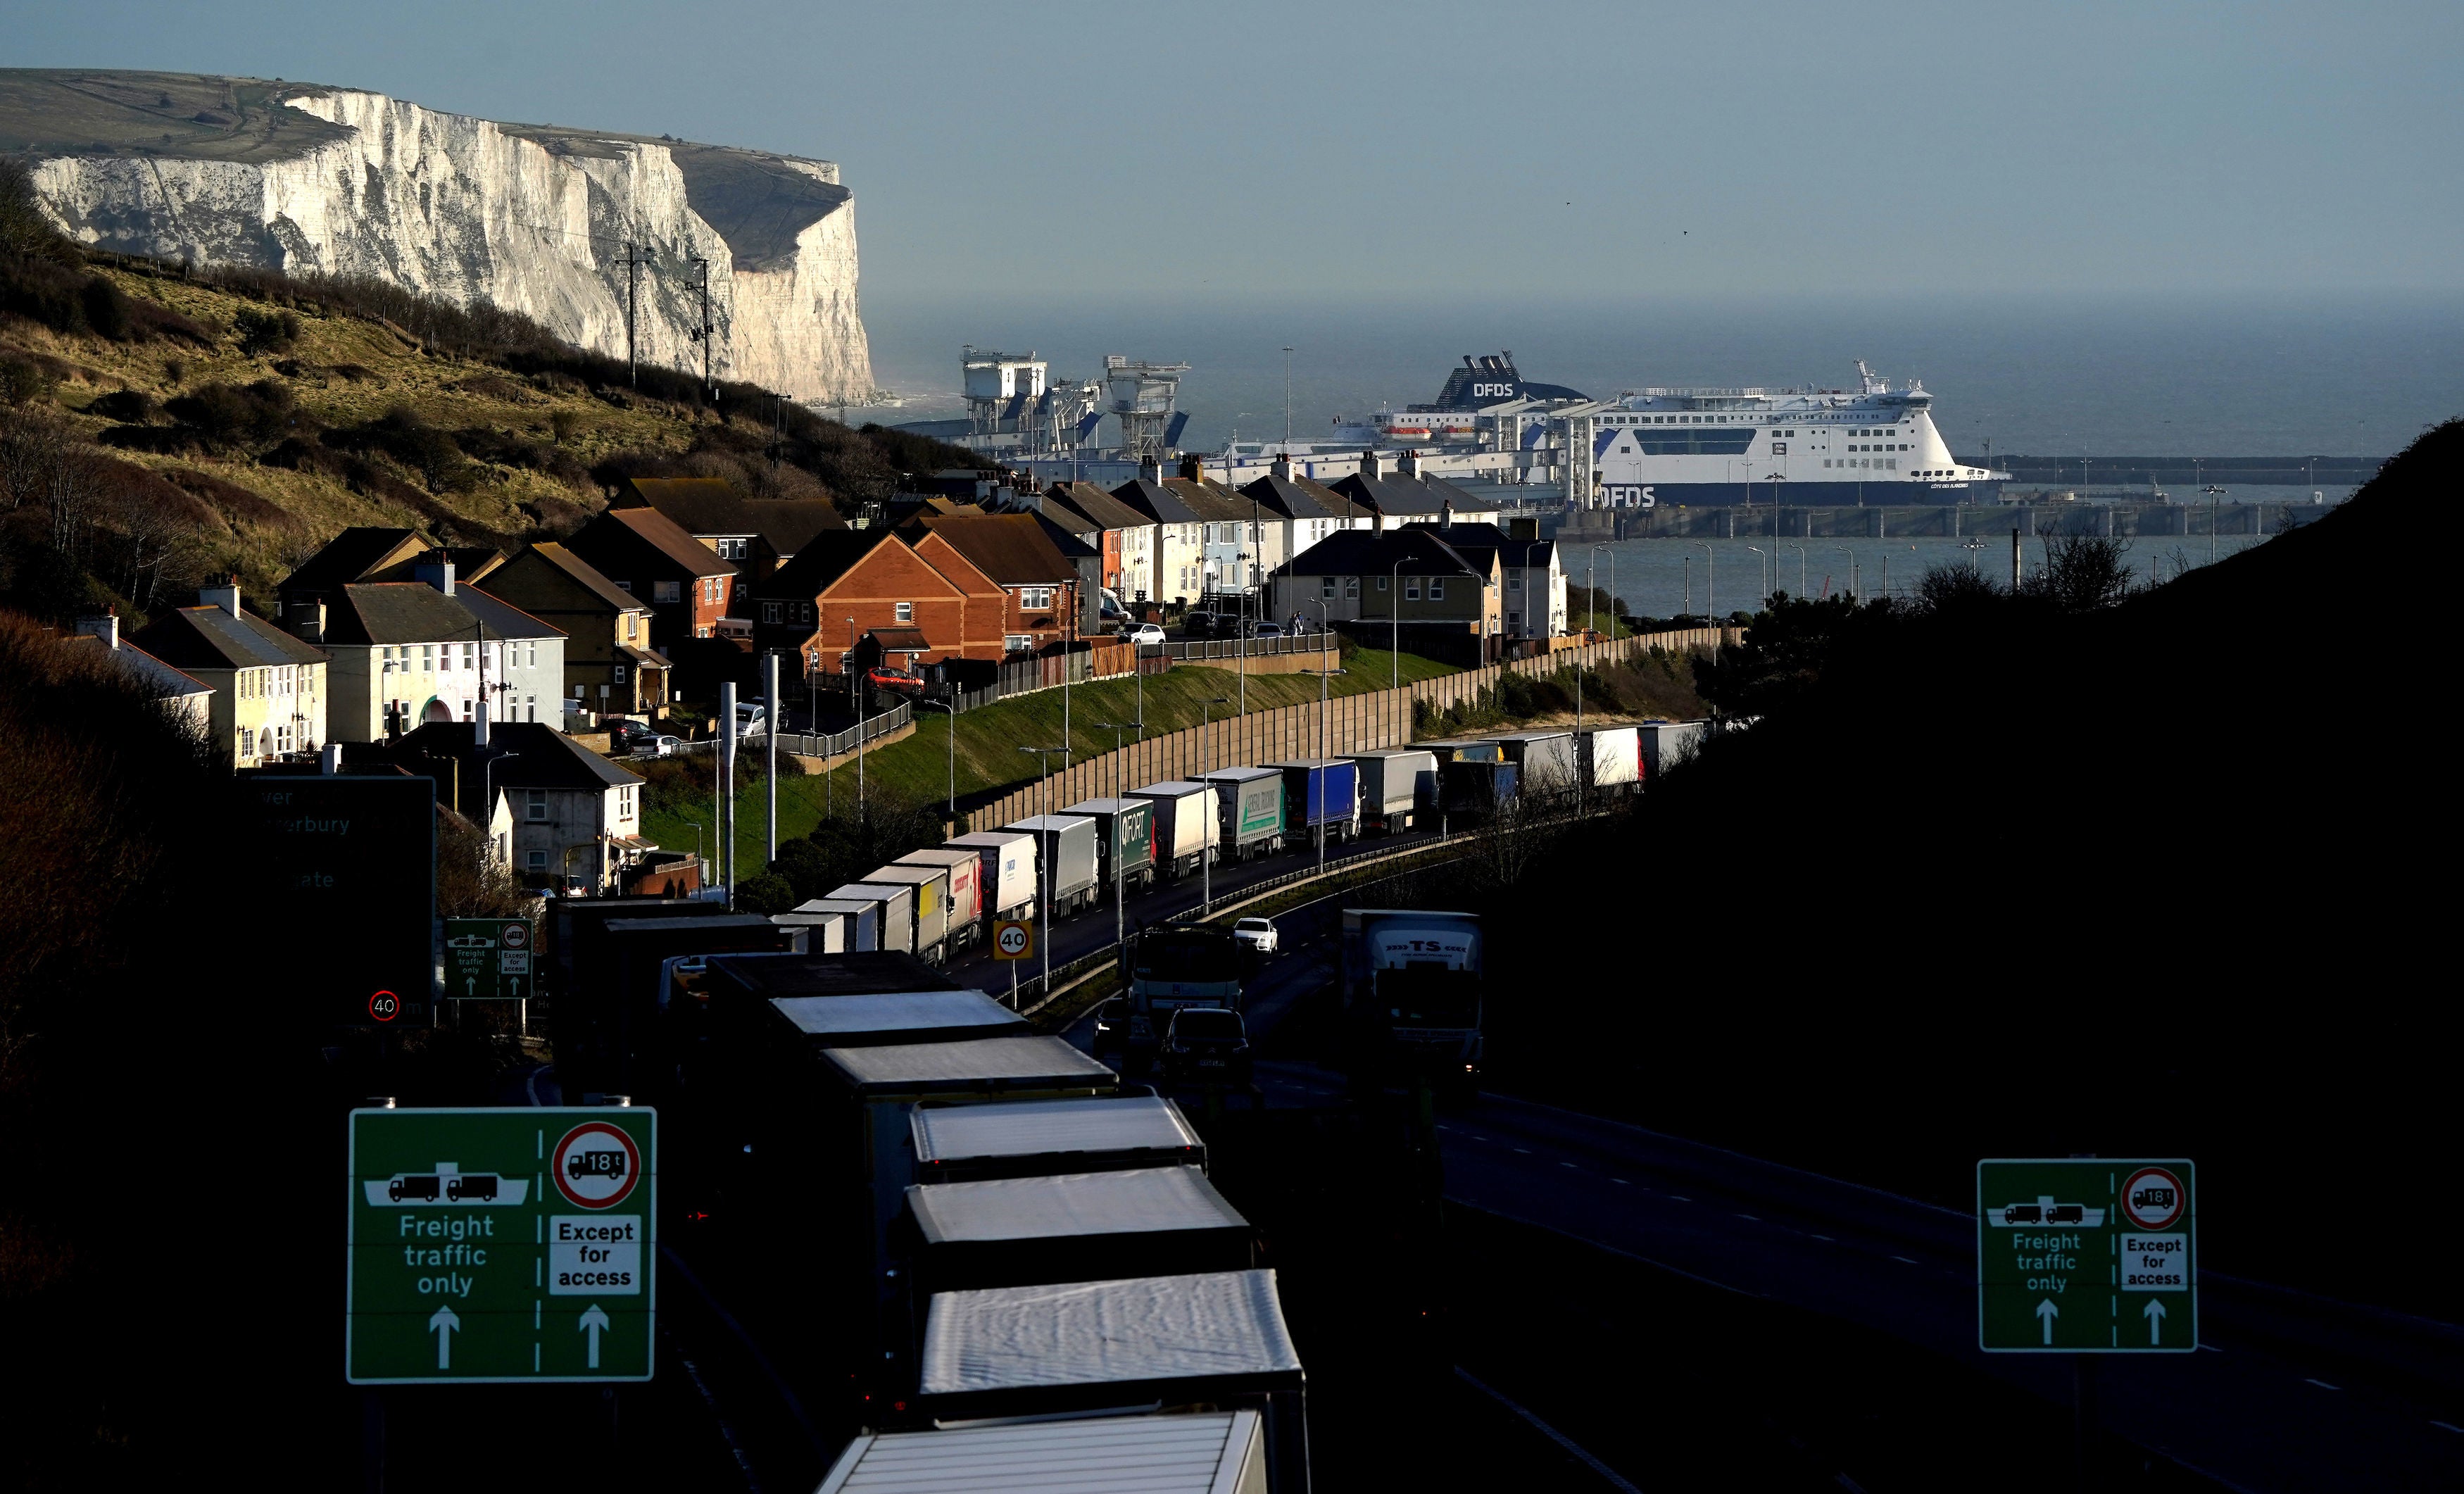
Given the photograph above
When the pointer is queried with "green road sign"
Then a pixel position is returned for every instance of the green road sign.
(487, 958)
(501, 1244)
(2086, 1256)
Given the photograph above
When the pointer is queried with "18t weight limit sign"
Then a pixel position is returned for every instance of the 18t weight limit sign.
(2086, 1256)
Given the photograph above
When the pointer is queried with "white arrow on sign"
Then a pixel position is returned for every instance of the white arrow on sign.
(2046, 1312)
(2155, 1321)
(593, 1323)
(443, 1325)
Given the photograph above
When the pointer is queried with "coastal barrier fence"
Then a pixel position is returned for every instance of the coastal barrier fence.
(1346, 724)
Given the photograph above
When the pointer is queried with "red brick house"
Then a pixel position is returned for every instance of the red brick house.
(861, 594)
(1038, 583)
(649, 556)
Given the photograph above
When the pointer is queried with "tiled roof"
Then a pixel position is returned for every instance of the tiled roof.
(1509, 551)
(1212, 501)
(670, 538)
(414, 612)
(1104, 510)
(1368, 552)
(1395, 495)
(829, 557)
(712, 506)
(524, 754)
(149, 671)
(1010, 548)
(586, 575)
(1300, 497)
(209, 638)
(1159, 503)
(348, 557)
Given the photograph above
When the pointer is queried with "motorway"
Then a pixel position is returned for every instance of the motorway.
(2288, 1393)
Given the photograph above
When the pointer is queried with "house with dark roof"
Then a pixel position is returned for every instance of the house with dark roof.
(609, 667)
(184, 697)
(576, 817)
(1298, 513)
(855, 598)
(1039, 584)
(406, 652)
(368, 553)
(1176, 547)
(1532, 585)
(269, 688)
(647, 554)
(1121, 535)
(1409, 578)
(757, 534)
(1404, 494)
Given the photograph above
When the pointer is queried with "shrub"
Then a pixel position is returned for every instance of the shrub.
(267, 331)
(106, 309)
(224, 416)
(24, 380)
(133, 406)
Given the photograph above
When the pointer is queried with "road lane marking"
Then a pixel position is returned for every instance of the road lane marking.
(1680, 1198)
(1620, 1180)
(1546, 1430)
(1826, 1239)
(1906, 1261)
(1749, 1216)
(2448, 1427)
(2322, 1384)
(1522, 1151)
(1570, 1164)
(2209, 1349)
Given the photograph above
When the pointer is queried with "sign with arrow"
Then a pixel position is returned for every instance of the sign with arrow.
(491, 1245)
(487, 959)
(2080, 1254)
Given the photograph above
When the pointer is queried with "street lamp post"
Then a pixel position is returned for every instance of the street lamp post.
(1762, 571)
(1800, 570)
(1044, 861)
(1852, 571)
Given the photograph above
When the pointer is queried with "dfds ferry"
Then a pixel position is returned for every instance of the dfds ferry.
(1709, 447)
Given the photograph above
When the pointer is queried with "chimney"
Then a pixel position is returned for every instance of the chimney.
(105, 628)
(329, 759)
(1191, 470)
(1523, 529)
(308, 621)
(1409, 465)
(1282, 466)
(1447, 513)
(1369, 466)
(436, 568)
(225, 595)
(1151, 469)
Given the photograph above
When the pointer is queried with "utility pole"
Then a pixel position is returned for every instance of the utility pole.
(770, 737)
(632, 295)
(702, 333)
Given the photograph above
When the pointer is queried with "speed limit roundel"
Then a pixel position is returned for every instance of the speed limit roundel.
(1014, 941)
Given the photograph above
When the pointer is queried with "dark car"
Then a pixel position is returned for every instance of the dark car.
(1206, 1045)
(1112, 1025)
(882, 676)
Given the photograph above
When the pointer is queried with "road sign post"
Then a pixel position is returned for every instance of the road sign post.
(2080, 1255)
(501, 1245)
(487, 959)
(1013, 940)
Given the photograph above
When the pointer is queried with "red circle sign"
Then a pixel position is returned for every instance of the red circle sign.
(516, 936)
(596, 1165)
(384, 1007)
(2152, 1199)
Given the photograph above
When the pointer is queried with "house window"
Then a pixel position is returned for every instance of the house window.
(1514, 583)
(1381, 582)
(667, 591)
(771, 613)
(536, 804)
(1352, 587)
(1325, 587)
(1035, 598)
(426, 658)
(539, 861)
(620, 674)
(1412, 589)
(904, 611)
(247, 743)
(1018, 643)
(1437, 588)
(632, 624)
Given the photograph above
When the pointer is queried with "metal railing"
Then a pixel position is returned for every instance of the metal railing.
(820, 744)
(1253, 647)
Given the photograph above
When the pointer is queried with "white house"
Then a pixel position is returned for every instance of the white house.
(406, 653)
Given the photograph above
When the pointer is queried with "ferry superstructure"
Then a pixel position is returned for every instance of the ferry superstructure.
(1871, 444)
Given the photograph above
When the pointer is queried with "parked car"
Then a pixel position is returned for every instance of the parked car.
(1265, 629)
(658, 746)
(1207, 1044)
(884, 676)
(1112, 1025)
(1212, 625)
(1141, 633)
(751, 720)
(1257, 934)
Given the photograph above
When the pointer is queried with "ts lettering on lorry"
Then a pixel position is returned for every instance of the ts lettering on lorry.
(1411, 986)
(501, 1244)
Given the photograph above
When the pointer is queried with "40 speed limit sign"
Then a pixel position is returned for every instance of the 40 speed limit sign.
(1013, 938)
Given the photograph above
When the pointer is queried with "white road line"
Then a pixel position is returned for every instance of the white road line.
(1749, 1216)
(1551, 1433)
(2446, 1426)
(1826, 1239)
(1904, 1261)
(1620, 1180)
(1680, 1198)
(1522, 1151)
(1570, 1164)
(2322, 1384)
(2209, 1349)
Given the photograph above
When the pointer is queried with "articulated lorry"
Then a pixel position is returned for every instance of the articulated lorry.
(1171, 966)
(1412, 988)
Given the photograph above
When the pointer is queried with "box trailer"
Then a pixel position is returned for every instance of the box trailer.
(1611, 758)
(740, 988)
(860, 1131)
(1397, 784)
(1184, 824)
(579, 961)
(1072, 1227)
(1034, 1139)
(650, 1034)
(1467, 749)
(1547, 761)
(1413, 985)
(1320, 794)
(1476, 788)
(825, 934)
(895, 918)
(929, 908)
(1664, 744)
(1206, 1452)
(1066, 851)
(860, 920)
(1249, 811)
(966, 870)
(1125, 852)
(1216, 1337)
(1009, 862)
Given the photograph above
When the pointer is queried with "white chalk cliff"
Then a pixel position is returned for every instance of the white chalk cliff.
(535, 219)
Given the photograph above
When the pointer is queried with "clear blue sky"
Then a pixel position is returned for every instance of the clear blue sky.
(1230, 150)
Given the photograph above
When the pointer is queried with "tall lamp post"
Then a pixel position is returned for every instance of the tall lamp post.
(1800, 570)
(1710, 581)
(1044, 861)
(1762, 571)
(1852, 571)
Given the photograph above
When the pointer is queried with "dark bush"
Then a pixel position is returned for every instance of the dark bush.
(228, 417)
(267, 331)
(24, 380)
(133, 406)
(106, 309)
(160, 440)
(402, 435)
(45, 292)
